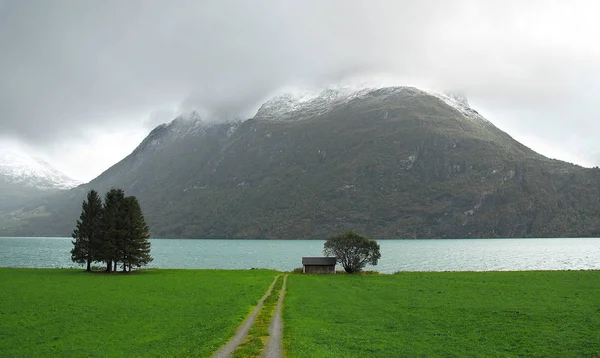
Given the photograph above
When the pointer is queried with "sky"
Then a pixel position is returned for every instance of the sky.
(83, 82)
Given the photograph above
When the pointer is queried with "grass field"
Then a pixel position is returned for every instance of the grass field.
(491, 314)
(69, 313)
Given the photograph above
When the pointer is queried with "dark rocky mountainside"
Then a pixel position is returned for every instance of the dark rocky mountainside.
(387, 163)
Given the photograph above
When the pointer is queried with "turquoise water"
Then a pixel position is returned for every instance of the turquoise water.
(396, 255)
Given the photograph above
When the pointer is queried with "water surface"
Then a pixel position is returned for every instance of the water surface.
(396, 255)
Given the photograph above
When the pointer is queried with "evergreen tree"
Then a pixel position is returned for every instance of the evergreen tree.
(115, 232)
(113, 228)
(134, 247)
(87, 233)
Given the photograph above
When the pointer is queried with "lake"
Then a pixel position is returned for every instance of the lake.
(396, 255)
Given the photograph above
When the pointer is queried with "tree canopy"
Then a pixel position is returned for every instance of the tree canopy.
(87, 233)
(134, 249)
(113, 233)
(352, 251)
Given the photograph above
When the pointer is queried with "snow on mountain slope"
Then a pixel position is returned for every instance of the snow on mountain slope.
(305, 104)
(300, 104)
(461, 104)
(186, 125)
(295, 105)
(19, 168)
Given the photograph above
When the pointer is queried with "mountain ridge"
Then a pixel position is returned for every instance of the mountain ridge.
(394, 162)
(286, 105)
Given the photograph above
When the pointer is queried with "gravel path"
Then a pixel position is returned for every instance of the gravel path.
(241, 333)
(275, 342)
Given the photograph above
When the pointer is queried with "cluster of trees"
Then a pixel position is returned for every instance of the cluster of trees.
(352, 251)
(113, 232)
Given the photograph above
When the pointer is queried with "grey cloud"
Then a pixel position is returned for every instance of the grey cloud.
(68, 65)
(158, 117)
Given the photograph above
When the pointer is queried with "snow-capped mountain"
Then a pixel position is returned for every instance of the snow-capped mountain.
(392, 162)
(304, 104)
(297, 105)
(307, 104)
(30, 172)
(185, 126)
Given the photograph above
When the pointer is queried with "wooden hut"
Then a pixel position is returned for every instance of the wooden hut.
(318, 264)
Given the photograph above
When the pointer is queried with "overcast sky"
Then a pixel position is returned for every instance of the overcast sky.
(83, 81)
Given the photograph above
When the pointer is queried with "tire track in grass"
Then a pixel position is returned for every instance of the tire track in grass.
(255, 343)
(275, 342)
(242, 331)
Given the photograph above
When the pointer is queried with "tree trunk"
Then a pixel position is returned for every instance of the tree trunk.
(89, 265)
(108, 265)
(115, 267)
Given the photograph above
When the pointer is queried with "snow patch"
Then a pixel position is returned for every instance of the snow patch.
(304, 104)
(461, 104)
(232, 128)
(19, 168)
(310, 103)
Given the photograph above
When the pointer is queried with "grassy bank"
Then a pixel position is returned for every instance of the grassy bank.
(50, 312)
(490, 314)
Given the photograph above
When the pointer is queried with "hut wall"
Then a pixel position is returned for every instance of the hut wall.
(319, 269)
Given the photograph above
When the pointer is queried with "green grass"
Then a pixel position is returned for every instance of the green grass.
(51, 312)
(493, 314)
(69, 313)
(258, 335)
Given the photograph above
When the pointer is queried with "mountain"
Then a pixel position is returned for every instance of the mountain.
(394, 162)
(25, 183)
(26, 171)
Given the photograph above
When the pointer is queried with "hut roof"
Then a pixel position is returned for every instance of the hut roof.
(318, 261)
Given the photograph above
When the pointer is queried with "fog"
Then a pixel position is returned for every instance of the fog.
(84, 81)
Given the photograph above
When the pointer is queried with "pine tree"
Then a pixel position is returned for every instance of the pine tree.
(113, 228)
(87, 233)
(115, 232)
(134, 249)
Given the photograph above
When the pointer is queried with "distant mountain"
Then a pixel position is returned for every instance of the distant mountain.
(394, 162)
(26, 171)
(25, 184)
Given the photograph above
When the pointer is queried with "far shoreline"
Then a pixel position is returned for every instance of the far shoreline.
(323, 239)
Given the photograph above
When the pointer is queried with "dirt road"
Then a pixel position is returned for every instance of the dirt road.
(275, 343)
(241, 333)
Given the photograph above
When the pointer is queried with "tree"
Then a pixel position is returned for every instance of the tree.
(352, 251)
(88, 232)
(113, 228)
(113, 232)
(134, 247)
